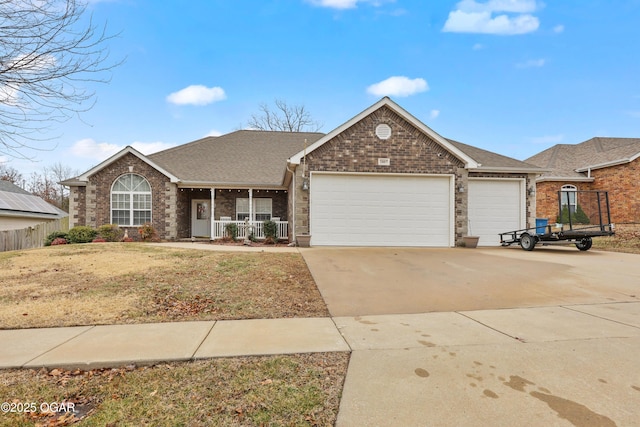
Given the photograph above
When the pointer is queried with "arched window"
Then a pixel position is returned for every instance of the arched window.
(569, 197)
(130, 200)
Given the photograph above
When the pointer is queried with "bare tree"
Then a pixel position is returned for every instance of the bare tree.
(284, 117)
(47, 52)
(43, 186)
(59, 173)
(11, 174)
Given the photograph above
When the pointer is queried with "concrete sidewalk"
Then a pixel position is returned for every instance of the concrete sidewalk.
(558, 365)
(88, 347)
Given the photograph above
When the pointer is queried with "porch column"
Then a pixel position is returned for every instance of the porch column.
(213, 211)
(251, 218)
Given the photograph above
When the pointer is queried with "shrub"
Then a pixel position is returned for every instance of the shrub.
(98, 240)
(147, 233)
(127, 239)
(52, 236)
(82, 234)
(110, 232)
(231, 230)
(271, 230)
(58, 241)
(577, 217)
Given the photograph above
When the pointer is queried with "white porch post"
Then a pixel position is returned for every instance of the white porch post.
(212, 217)
(251, 213)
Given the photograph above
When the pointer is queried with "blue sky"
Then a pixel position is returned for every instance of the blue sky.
(510, 76)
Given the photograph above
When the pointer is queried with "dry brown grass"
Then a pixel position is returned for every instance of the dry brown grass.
(133, 283)
(253, 391)
(626, 239)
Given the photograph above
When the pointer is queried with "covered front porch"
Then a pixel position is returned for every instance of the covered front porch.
(211, 212)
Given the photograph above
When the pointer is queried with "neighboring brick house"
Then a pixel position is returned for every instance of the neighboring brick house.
(605, 164)
(382, 178)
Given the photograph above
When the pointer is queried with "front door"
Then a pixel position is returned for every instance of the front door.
(201, 218)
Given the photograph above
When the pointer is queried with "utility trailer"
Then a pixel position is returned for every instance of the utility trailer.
(582, 215)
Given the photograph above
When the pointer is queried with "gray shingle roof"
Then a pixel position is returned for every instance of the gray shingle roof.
(563, 160)
(491, 160)
(244, 157)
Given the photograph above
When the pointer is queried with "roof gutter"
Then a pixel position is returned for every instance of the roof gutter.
(564, 178)
(499, 169)
(293, 199)
(230, 185)
(607, 164)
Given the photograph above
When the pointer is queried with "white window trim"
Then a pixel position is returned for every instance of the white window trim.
(131, 203)
(256, 201)
(571, 203)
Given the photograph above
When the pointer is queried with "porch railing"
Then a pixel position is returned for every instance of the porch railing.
(219, 229)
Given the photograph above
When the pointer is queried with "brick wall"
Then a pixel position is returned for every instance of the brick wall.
(98, 200)
(357, 149)
(621, 182)
(226, 202)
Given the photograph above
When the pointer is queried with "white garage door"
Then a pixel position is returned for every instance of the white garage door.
(495, 206)
(376, 210)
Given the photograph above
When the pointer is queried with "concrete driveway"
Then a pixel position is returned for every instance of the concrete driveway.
(477, 337)
(369, 281)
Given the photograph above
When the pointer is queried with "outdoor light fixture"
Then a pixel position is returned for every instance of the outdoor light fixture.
(461, 189)
(305, 184)
(531, 191)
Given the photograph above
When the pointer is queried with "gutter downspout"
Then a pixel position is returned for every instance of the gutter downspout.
(293, 204)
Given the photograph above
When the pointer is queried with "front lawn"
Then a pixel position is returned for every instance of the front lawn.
(116, 283)
(295, 390)
(113, 283)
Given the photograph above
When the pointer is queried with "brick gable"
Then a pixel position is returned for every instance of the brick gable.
(98, 200)
(358, 149)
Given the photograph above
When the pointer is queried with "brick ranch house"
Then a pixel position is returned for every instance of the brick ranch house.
(383, 178)
(606, 164)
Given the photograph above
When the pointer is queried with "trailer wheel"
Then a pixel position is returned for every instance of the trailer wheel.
(527, 242)
(584, 244)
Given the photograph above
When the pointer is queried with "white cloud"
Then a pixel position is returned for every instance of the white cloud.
(473, 17)
(398, 86)
(33, 63)
(433, 114)
(548, 139)
(213, 132)
(91, 149)
(151, 147)
(532, 63)
(335, 4)
(483, 23)
(197, 95)
(9, 96)
(558, 29)
(346, 4)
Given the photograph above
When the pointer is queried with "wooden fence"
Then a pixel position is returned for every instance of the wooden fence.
(30, 237)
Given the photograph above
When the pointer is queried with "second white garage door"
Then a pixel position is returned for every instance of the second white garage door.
(495, 206)
(381, 210)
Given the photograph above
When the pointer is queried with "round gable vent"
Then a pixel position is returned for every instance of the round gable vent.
(383, 131)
